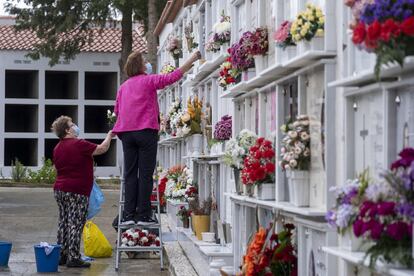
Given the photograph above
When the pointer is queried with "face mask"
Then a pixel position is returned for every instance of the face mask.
(149, 68)
(76, 130)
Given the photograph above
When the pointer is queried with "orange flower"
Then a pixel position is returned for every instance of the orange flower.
(253, 253)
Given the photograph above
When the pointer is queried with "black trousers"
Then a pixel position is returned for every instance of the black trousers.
(140, 158)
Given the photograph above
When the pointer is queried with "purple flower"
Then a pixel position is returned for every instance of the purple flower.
(398, 230)
(406, 210)
(331, 218)
(376, 229)
(222, 130)
(357, 227)
(365, 208)
(381, 10)
(386, 208)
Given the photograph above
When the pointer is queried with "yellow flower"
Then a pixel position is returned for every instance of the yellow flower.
(309, 5)
(300, 22)
(185, 118)
(303, 32)
(320, 32)
(311, 18)
(322, 20)
(307, 25)
(297, 37)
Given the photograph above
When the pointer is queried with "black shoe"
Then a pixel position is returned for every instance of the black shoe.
(78, 263)
(63, 260)
(144, 221)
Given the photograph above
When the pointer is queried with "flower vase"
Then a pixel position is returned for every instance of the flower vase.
(259, 63)
(196, 144)
(236, 173)
(317, 43)
(289, 53)
(248, 74)
(299, 183)
(352, 243)
(265, 191)
(201, 223)
(186, 223)
(248, 190)
(223, 49)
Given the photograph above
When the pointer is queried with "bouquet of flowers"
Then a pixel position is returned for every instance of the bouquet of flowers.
(228, 74)
(179, 178)
(241, 59)
(183, 214)
(174, 47)
(222, 30)
(173, 120)
(271, 256)
(222, 130)
(295, 150)
(256, 42)
(259, 164)
(386, 215)
(237, 149)
(111, 117)
(189, 36)
(308, 24)
(348, 201)
(386, 28)
(212, 45)
(167, 68)
(194, 115)
(283, 37)
(161, 191)
(139, 237)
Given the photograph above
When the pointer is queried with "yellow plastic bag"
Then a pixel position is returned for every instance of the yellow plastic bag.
(95, 243)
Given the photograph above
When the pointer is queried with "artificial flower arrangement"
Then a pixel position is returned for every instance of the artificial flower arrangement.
(223, 129)
(308, 24)
(348, 198)
(163, 124)
(179, 184)
(139, 237)
(194, 115)
(257, 41)
(167, 68)
(111, 117)
(221, 34)
(387, 213)
(259, 164)
(173, 123)
(295, 150)
(189, 36)
(184, 214)
(385, 28)
(228, 74)
(270, 253)
(174, 47)
(241, 59)
(162, 183)
(238, 148)
(282, 36)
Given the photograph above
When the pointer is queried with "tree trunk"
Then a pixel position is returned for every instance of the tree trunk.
(151, 38)
(126, 39)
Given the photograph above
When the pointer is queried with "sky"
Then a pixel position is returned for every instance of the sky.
(2, 12)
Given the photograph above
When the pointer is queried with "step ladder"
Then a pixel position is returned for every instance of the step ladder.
(119, 247)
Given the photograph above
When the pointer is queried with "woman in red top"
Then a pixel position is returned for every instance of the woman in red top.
(73, 160)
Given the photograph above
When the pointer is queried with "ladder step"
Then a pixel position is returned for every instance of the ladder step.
(155, 225)
(153, 203)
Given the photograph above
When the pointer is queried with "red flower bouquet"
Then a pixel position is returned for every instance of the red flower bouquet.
(161, 189)
(228, 74)
(259, 165)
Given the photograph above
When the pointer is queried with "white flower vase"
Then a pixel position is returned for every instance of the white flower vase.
(260, 63)
(196, 144)
(287, 54)
(223, 50)
(303, 47)
(352, 243)
(299, 183)
(248, 74)
(317, 43)
(247, 190)
(265, 191)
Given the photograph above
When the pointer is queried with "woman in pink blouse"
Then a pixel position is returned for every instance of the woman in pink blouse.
(137, 126)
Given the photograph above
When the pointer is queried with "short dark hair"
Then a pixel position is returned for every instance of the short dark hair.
(134, 64)
(60, 125)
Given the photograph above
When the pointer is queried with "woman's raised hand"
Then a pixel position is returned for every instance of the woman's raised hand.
(189, 63)
(196, 56)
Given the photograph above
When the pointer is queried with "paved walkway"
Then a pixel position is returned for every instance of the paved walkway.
(29, 216)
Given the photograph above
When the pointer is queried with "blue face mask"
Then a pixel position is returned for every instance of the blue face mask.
(149, 68)
(76, 130)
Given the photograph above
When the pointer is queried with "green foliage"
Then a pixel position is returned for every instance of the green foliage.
(64, 26)
(19, 171)
(46, 174)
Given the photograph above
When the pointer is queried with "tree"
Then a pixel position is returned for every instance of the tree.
(65, 26)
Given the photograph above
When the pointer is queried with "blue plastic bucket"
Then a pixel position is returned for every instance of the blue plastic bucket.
(5, 248)
(47, 263)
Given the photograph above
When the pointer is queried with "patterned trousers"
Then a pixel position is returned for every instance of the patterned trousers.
(73, 209)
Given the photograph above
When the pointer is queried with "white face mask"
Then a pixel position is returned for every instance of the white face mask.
(75, 130)
(148, 68)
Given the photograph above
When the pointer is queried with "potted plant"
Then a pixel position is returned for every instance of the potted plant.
(385, 28)
(192, 121)
(241, 59)
(200, 216)
(296, 156)
(258, 45)
(223, 130)
(220, 35)
(228, 74)
(284, 40)
(307, 29)
(259, 169)
(343, 214)
(184, 215)
(236, 151)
